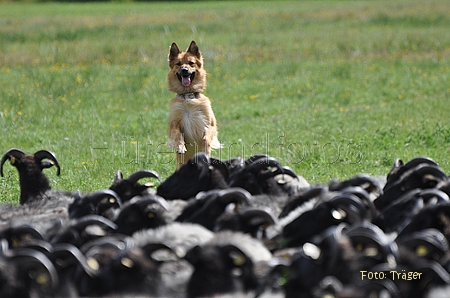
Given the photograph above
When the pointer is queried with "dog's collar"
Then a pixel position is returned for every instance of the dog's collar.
(189, 95)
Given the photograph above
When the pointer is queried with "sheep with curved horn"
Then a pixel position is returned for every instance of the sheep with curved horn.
(196, 175)
(126, 189)
(207, 208)
(33, 183)
(256, 176)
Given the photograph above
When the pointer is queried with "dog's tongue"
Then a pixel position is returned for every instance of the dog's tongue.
(186, 81)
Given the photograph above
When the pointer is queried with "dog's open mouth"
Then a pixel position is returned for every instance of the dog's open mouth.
(186, 79)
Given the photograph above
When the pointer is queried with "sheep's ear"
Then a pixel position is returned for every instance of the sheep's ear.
(29, 260)
(118, 176)
(127, 262)
(136, 176)
(236, 255)
(11, 155)
(398, 163)
(92, 264)
(45, 164)
(238, 258)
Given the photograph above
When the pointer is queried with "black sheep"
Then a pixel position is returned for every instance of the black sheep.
(196, 175)
(33, 183)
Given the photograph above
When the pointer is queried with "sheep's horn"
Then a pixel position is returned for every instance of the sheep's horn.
(150, 248)
(92, 219)
(235, 194)
(264, 162)
(37, 244)
(136, 176)
(426, 172)
(97, 196)
(419, 160)
(349, 199)
(433, 237)
(93, 198)
(282, 170)
(435, 270)
(361, 194)
(29, 257)
(254, 158)
(357, 180)
(258, 216)
(369, 232)
(430, 170)
(429, 193)
(42, 154)
(147, 200)
(400, 167)
(65, 251)
(290, 172)
(25, 229)
(4, 246)
(13, 152)
(105, 242)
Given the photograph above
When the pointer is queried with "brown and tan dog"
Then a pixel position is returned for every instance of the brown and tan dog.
(192, 124)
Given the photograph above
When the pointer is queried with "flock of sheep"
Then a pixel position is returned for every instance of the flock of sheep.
(228, 228)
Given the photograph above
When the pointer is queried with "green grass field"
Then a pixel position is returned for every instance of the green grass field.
(330, 88)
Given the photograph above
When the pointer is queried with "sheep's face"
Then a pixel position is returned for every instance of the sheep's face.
(27, 165)
(222, 269)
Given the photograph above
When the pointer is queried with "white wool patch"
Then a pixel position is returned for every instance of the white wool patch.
(252, 247)
(439, 292)
(176, 208)
(181, 237)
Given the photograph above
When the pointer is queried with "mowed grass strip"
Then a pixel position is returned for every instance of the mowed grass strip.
(331, 89)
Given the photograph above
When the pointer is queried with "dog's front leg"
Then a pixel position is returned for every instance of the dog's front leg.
(177, 139)
(206, 147)
(181, 145)
(207, 140)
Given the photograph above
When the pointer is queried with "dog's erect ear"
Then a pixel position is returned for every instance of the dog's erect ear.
(193, 49)
(174, 51)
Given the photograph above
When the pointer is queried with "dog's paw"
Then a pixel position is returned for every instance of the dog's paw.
(181, 149)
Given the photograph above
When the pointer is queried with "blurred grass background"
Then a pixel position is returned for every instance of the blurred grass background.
(330, 88)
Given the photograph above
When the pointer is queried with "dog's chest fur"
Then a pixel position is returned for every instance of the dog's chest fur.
(193, 120)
